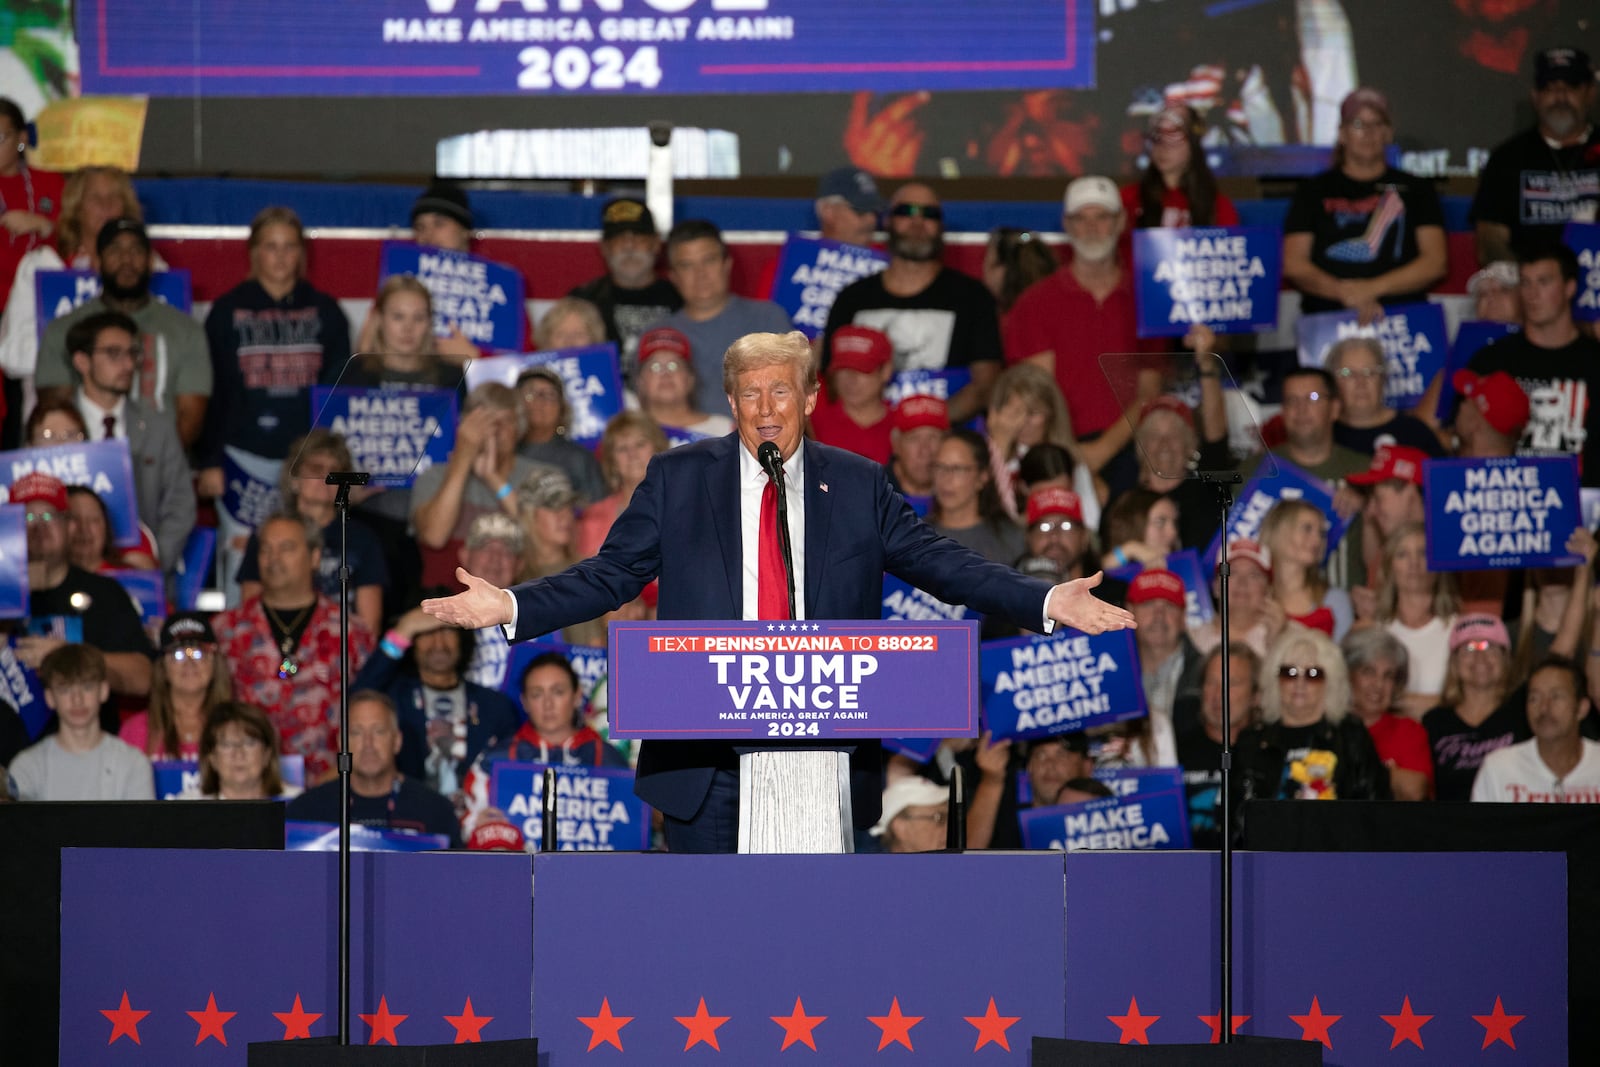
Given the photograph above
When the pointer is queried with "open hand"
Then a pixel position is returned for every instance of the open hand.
(1073, 604)
(482, 604)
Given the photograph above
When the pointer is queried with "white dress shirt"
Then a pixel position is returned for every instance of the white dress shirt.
(95, 417)
(752, 483)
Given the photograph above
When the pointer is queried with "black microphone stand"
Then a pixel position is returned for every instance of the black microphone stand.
(1223, 482)
(341, 502)
(772, 462)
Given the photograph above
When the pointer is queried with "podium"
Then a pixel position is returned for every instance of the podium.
(793, 699)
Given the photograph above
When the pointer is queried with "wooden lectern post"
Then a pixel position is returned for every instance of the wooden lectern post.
(795, 801)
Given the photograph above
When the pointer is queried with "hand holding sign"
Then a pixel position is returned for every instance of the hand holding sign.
(482, 604)
(1073, 604)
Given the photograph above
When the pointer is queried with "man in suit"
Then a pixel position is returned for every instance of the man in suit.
(105, 350)
(696, 523)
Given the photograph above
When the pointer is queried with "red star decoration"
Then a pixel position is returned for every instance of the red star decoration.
(895, 1026)
(382, 1023)
(297, 1021)
(211, 1021)
(469, 1026)
(992, 1026)
(797, 1026)
(605, 1028)
(1215, 1022)
(1314, 1025)
(702, 1026)
(1407, 1025)
(124, 1020)
(1134, 1026)
(1496, 1026)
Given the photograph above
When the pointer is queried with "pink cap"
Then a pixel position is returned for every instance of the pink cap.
(1469, 628)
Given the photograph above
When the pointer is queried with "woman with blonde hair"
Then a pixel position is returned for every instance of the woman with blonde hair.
(1418, 607)
(631, 438)
(1295, 534)
(571, 322)
(1026, 409)
(404, 350)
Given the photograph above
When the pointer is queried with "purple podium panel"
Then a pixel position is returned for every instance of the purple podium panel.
(766, 681)
(1384, 957)
(653, 959)
(195, 954)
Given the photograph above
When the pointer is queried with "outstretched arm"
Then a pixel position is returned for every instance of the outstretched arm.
(481, 604)
(1073, 604)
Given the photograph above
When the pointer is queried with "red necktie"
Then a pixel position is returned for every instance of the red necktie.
(772, 587)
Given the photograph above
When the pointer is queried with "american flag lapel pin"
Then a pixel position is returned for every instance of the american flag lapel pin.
(823, 486)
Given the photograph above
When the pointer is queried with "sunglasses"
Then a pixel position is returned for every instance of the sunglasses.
(931, 212)
(1310, 674)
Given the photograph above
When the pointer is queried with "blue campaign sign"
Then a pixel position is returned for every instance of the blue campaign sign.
(13, 562)
(1262, 492)
(1584, 240)
(249, 488)
(943, 384)
(1507, 512)
(1471, 337)
(324, 837)
(479, 297)
(1189, 568)
(20, 687)
(103, 466)
(920, 749)
(461, 48)
(176, 777)
(588, 663)
(1039, 686)
(194, 569)
(1130, 781)
(757, 681)
(591, 377)
(1413, 338)
(902, 600)
(1225, 277)
(596, 810)
(811, 271)
(393, 434)
(1138, 822)
(148, 591)
(57, 292)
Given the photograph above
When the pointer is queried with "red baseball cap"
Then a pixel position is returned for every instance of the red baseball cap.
(39, 488)
(1054, 500)
(663, 339)
(1497, 396)
(915, 412)
(1393, 463)
(496, 837)
(860, 348)
(1156, 584)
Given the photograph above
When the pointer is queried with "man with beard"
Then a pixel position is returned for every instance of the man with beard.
(1547, 176)
(174, 368)
(630, 296)
(936, 317)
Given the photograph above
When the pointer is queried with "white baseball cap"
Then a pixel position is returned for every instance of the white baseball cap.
(1092, 191)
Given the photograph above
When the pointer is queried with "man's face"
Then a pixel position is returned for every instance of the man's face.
(854, 387)
(1360, 377)
(1563, 108)
(496, 562)
(1093, 232)
(1241, 693)
(1497, 303)
(631, 258)
(1394, 502)
(1546, 295)
(77, 704)
(770, 404)
(1167, 443)
(1554, 708)
(441, 231)
(437, 651)
(841, 222)
(915, 234)
(125, 267)
(374, 741)
(1051, 766)
(286, 562)
(915, 450)
(1160, 626)
(47, 534)
(920, 828)
(1059, 538)
(1308, 412)
(700, 271)
(107, 368)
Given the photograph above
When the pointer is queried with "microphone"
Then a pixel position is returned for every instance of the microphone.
(771, 461)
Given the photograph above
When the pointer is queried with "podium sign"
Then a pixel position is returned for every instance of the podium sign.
(775, 681)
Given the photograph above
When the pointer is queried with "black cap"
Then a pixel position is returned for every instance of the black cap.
(1570, 65)
(443, 198)
(115, 228)
(627, 215)
(187, 628)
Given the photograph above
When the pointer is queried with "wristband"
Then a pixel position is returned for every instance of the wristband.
(503, 492)
(394, 644)
(1120, 556)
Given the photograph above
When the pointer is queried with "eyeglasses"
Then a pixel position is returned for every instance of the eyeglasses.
(1063, 526)
(61, 435)
(46, 517)
(1310, 674)
(180, 654)
(931, 212)
(120, 353)
(954, 468)
(543, 396)
(938, 818)
(1365, 374)
(1362, 125)
(245, 744)
(666, 366)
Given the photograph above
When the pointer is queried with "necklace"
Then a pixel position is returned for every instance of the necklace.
(287, 637)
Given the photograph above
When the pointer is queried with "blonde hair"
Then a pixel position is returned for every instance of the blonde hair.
(1039, 385)
(1282, 514)
(1295, 641)
(756, 350)
(69, 231)
(1446, 601)
(567, 306)
(277, 215)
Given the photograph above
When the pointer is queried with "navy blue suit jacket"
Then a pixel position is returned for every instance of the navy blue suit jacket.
(682, 526)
